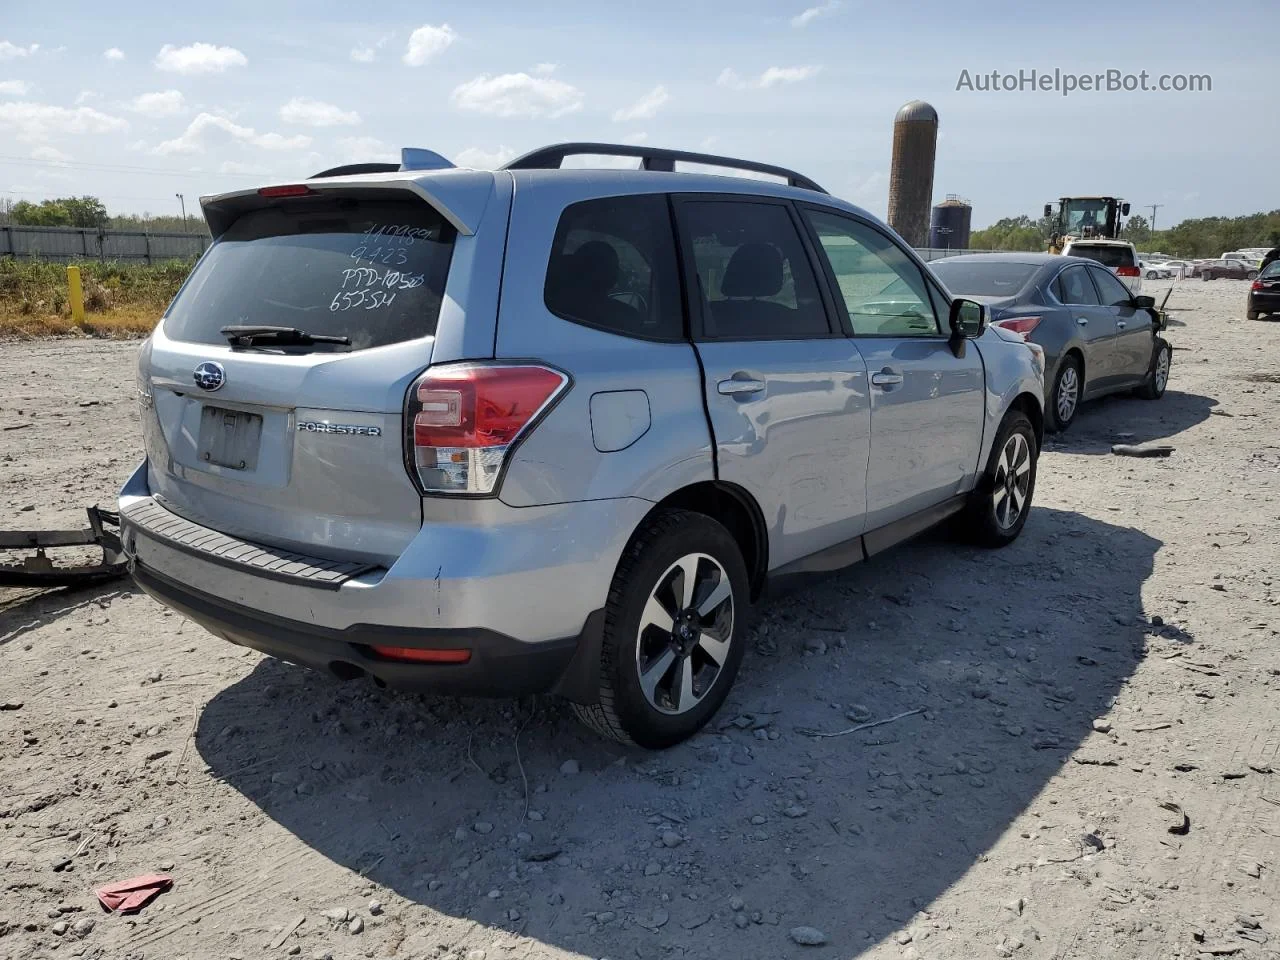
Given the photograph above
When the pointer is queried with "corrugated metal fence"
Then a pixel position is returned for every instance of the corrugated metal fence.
(76, 243)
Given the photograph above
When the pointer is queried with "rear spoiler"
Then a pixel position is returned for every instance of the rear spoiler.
(460, 196)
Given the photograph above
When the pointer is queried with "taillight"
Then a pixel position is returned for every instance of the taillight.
(463, 419)
(289, 190)
(1020, 325)
(1127, 272)
(1257, 285)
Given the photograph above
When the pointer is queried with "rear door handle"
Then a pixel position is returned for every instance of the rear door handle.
(1120, 324)
(1083, 321)
(885, 379)
(733, 388)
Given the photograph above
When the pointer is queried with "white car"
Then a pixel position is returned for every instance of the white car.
(1118, 256)
(1154, 270)
(1179, 268)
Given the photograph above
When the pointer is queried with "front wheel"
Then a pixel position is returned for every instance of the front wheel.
(674, 622)
(998, 507)
(1251, 275)
(1064, 397)
(1158, 375)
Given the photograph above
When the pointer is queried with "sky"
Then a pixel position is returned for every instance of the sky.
(198, 98)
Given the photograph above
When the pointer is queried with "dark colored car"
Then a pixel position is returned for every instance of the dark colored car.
(1098, 338)
(1264, 295)
(1231, 269)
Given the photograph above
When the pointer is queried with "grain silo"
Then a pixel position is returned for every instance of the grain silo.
(915, 137)
(949, 224)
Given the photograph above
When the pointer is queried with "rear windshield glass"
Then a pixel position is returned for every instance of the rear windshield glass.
(371, 270)
(1108, 256)
(983, 278)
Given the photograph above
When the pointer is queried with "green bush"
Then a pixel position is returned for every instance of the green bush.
(26, 283)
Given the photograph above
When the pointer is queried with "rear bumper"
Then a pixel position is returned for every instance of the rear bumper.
(1264, 301)
(520, 587)
(499, 665)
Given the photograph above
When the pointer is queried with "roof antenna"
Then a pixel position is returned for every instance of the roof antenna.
(417, 158)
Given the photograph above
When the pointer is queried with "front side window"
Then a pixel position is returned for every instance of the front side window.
(369, 267)
(882, 288)
(1073, 287)
(1113, 292)
(613, 266)
(753, 275)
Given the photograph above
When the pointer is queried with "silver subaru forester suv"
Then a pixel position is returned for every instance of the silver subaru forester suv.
(556, 430)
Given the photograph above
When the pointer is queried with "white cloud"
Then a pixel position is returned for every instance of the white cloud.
(545, 69)
(636, 138)
(35, 122)
(13, 88)
(479, 158)
(518, 95)
(199, 58)
(803, 19)
(9, 51)
(84, 96)
(51, 154)
(316, 113)
(113, 53)
(194, 138)
(366, 150)
(772, 77)
(163, 103)
(426, 42)
(645, 108)
(363, 54)
(235, 166)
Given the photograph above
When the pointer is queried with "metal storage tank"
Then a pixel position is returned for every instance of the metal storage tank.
(949, 224)
(915, 138)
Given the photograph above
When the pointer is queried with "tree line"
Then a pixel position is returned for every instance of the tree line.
(90, 212)
(1203, 237)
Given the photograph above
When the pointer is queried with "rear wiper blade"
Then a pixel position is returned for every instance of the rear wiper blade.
(248, 335)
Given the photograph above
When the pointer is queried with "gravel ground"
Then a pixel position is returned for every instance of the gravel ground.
(1122, 654)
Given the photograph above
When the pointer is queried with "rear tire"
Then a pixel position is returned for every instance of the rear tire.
(1158, 375)
(1251, 275)
(1064, 397)
(995, 515)
(660, 684)
(1253, 315)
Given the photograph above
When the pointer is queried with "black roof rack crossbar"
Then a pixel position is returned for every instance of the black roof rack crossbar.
(651, 158)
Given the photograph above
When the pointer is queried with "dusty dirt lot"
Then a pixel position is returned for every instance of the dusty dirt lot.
(1122, 654)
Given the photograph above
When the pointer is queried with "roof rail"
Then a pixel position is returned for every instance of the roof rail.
(651, 158)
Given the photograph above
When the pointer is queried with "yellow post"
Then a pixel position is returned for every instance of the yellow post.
(77, 295)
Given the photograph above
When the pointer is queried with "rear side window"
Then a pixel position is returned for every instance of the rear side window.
(1104, 254)
(613, 266)
(1073, 286)
(373, 270)
(754, 277)
(984, 278)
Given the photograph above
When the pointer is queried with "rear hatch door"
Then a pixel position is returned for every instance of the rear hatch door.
(293, 440)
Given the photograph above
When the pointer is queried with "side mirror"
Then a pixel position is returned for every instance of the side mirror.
(1143, 302)
(968, 320)
(1048, 209)
(1124, 209)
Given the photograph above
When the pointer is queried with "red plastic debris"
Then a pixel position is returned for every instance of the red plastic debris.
(130, 896)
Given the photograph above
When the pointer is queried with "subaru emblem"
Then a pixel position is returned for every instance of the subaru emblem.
(210, 375)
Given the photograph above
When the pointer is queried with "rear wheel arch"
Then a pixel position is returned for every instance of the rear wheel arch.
(733, 508)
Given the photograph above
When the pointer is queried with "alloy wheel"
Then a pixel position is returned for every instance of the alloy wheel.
(1068, 394)
(685, 632)
(1012, 481)
(1162, 369)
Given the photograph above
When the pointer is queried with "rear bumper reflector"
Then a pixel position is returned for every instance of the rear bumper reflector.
(418, 655)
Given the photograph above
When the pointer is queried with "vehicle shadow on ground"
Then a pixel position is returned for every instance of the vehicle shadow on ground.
(1131, 420)
(1012, 654)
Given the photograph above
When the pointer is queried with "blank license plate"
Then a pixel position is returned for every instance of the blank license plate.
(230, 438)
